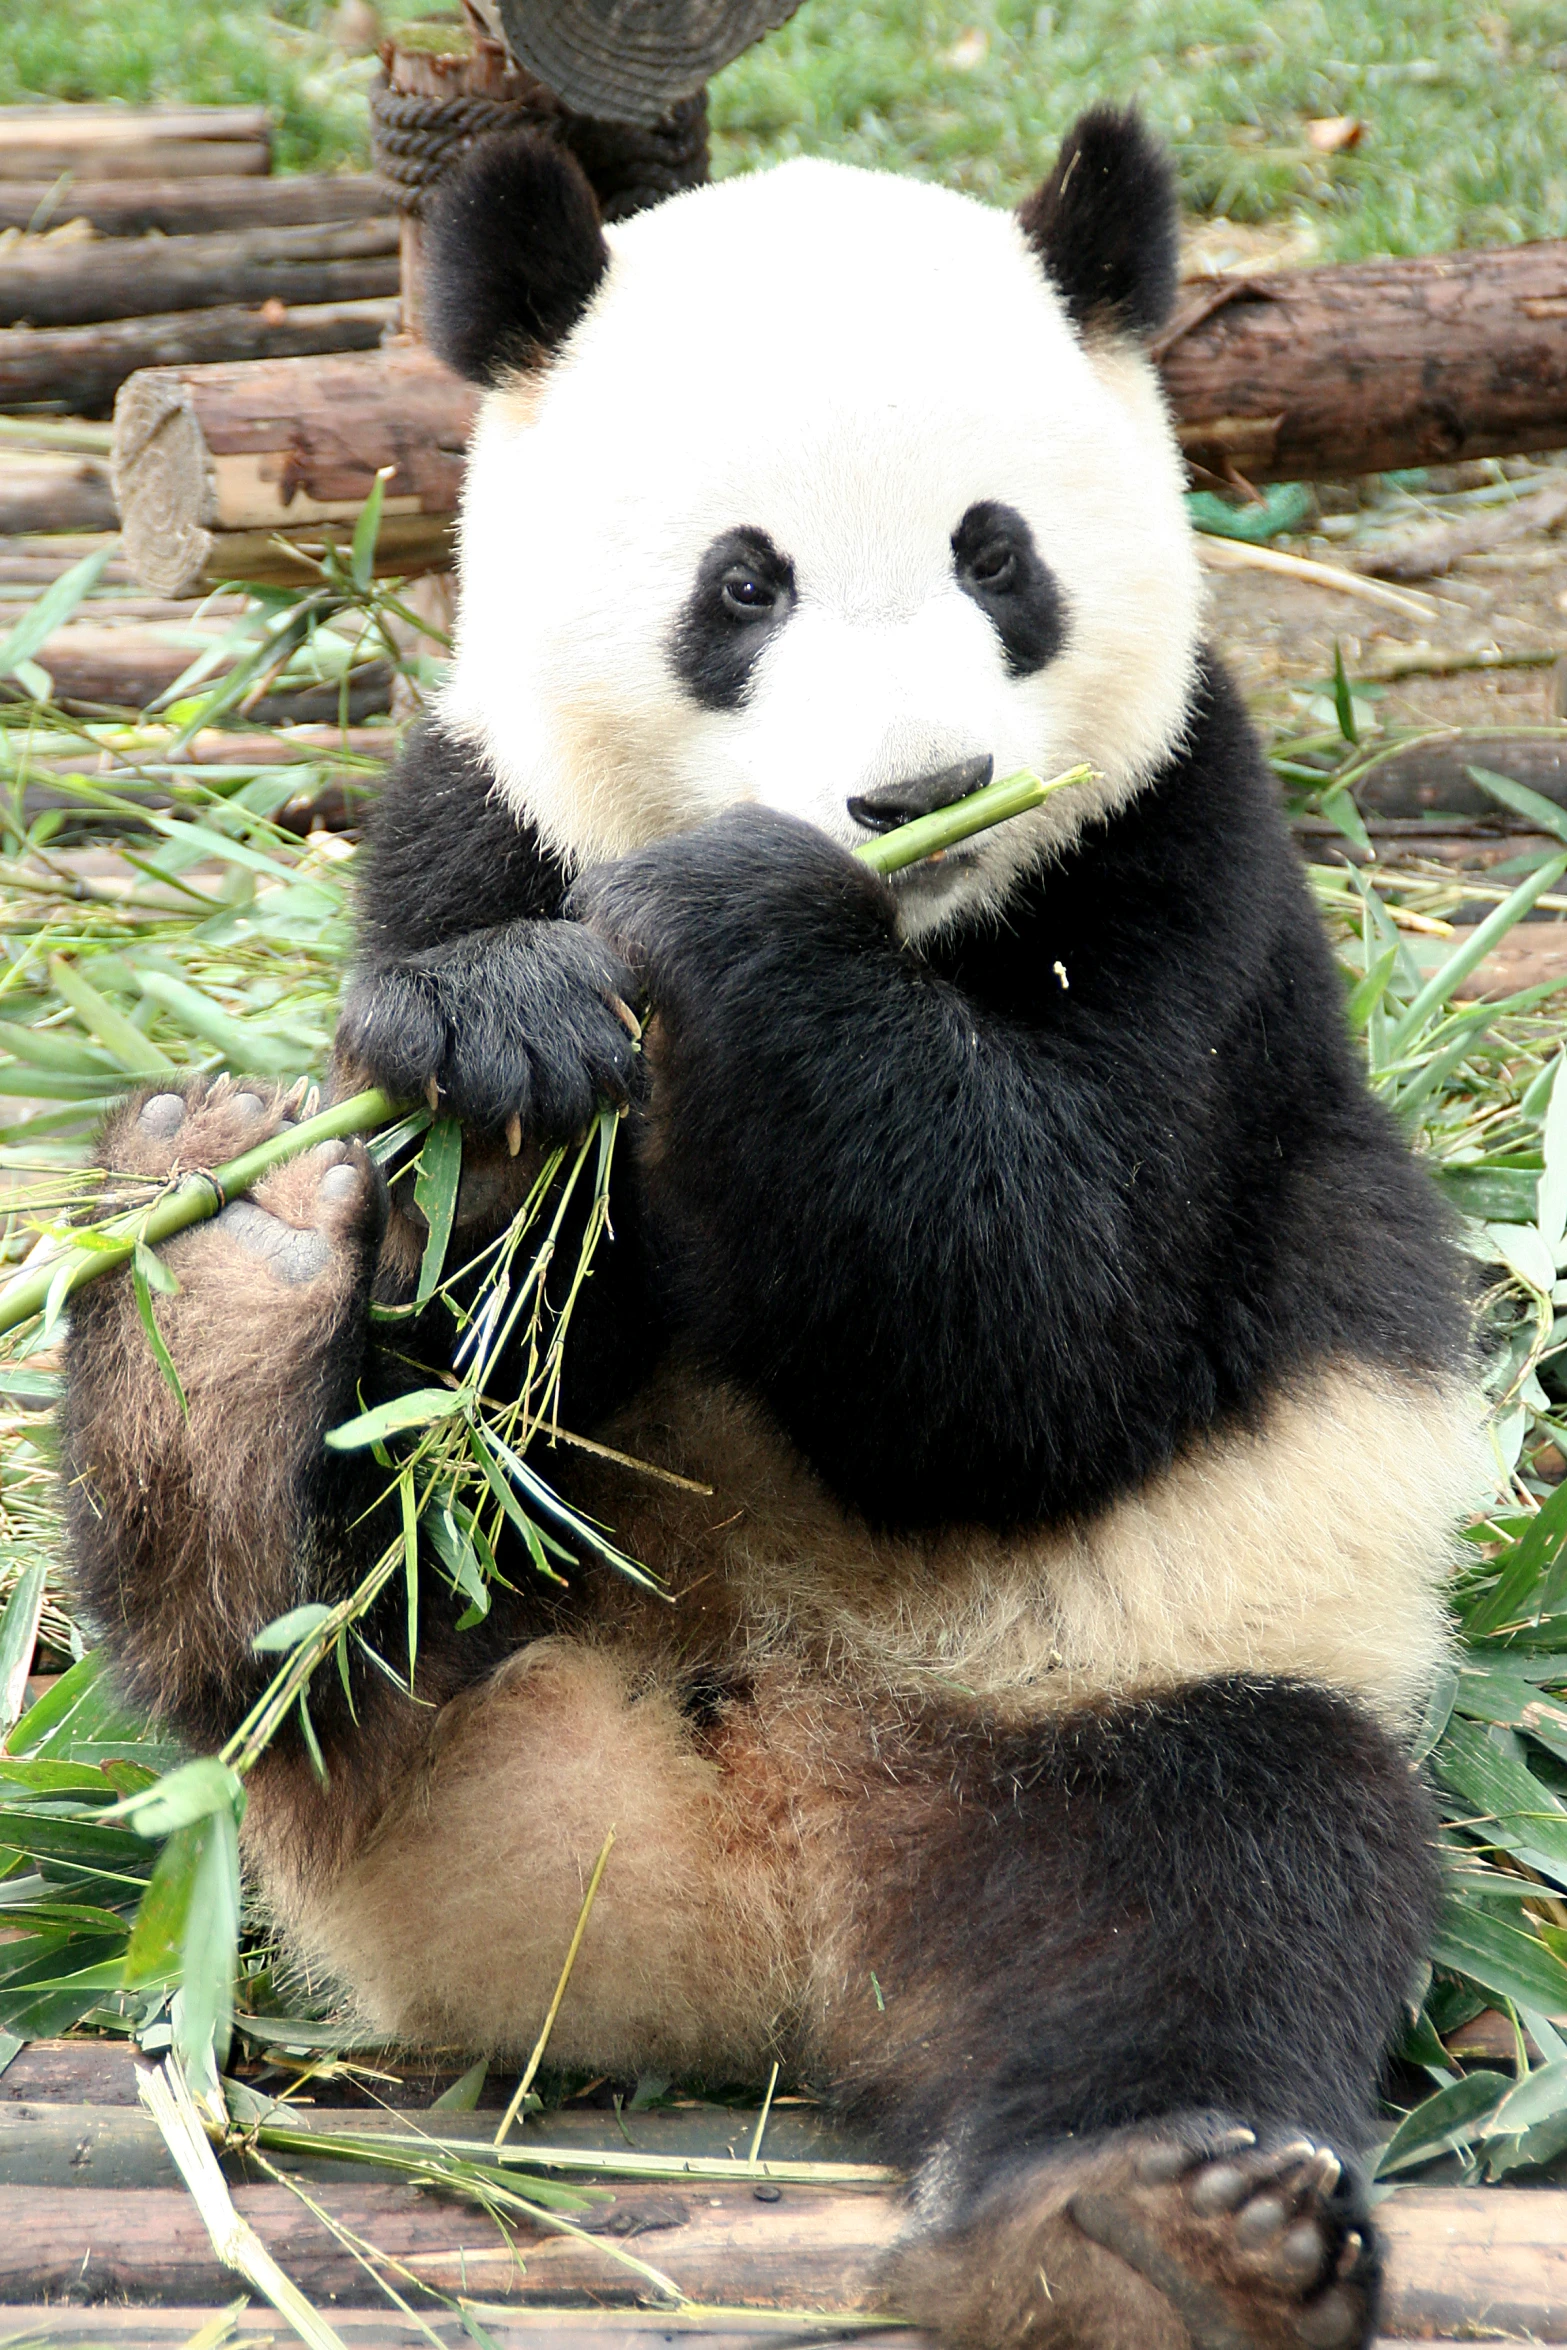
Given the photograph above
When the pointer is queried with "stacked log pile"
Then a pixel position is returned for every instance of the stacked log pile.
(151, 237)
(91, 2212)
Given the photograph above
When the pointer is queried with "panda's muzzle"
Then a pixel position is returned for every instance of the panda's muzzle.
(891, 804)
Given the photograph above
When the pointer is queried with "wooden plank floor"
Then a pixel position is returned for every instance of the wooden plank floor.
(99, 2244)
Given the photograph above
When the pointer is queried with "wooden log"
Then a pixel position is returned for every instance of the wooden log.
(1372, 365)
(84, 366)
(39, 492)
(154, 159)
(130, 668)
(204, 457)
(1432, 778)
(134, 142)
(1312, 372)
(192, 207)
(1461, 2262)
(808, 2248)
(77, 285)
(49, 2144)
(66, 2326)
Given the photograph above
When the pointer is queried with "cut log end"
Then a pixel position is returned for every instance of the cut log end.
(163, 483)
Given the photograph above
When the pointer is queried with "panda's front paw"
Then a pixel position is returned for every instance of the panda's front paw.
(713, 897)
(525, 1028)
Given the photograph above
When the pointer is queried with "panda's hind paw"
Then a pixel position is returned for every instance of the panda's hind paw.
(1268, 2245)
(178, 1124)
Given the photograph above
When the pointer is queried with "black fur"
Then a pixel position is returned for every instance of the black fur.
(515, 255)
(742, 595)
(1104, 224)
(1225, 1895)
(510, 1015)
(992, 1243)
(998, 564)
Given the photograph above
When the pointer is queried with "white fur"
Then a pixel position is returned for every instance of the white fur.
(847, 361)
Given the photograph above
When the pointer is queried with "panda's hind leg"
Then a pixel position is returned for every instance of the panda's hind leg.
(1117, 1988)
(195, 1522)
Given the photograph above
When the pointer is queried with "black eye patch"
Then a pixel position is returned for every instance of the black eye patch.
(998, 564)
(742, 595)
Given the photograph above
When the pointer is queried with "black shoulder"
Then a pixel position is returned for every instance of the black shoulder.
(444, 854)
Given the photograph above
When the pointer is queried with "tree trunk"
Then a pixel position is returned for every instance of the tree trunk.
(1313, 373)
(133, 142)
(82, 367)
(78, 285)
(205, 454)
(192, 207)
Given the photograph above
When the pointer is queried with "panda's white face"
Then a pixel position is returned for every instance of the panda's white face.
(824, 499)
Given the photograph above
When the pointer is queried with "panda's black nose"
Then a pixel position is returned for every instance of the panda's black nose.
(917, 795)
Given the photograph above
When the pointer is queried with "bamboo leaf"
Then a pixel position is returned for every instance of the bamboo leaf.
(52, 609)
(194, 1792)
(1473, 952)
(1450, 2118)
(1542, 813)
(1505, 1960)
(115, 1032)
(18, 1636)
(142, 1259)
(421, 1408)
(435, 1196)
(367, 529)
(285, 1633)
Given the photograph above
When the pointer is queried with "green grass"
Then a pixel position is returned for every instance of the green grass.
(1464, 116)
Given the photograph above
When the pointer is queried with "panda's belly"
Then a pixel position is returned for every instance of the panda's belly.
(1316, 1546)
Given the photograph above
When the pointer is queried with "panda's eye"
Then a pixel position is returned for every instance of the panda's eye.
(995, 561)
(994, 567)
(746, 595)
(743, 593)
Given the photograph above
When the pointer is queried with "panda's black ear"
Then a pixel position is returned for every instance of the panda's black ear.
(514, 255)
(1104, 224)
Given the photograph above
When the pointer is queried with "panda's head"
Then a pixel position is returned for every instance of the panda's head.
(821, 488)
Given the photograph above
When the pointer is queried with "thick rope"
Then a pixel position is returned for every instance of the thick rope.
(416, 141)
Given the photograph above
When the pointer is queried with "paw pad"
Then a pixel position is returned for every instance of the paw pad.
(162, 1115)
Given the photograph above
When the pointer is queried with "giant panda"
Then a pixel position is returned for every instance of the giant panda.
(1068, 1366)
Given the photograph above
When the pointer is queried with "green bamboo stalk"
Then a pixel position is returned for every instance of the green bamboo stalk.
(928, 836)
(201, 1195)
